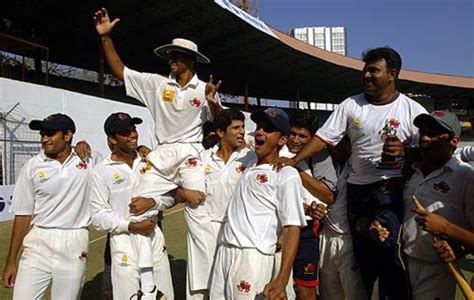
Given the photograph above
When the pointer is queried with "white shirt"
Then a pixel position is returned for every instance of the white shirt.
(466, 154)
(54, 194)
(449, 192)
(178, 112)
(336, 217)
(363, 123)
(111, 193)
(263, 202)
(222, 178)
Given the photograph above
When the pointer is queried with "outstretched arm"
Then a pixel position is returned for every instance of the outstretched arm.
(314, 146)
(211, 96)
(104, 27)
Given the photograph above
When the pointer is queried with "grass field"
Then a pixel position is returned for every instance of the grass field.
(174, 228)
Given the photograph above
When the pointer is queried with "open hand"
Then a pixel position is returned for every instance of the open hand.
(102, 22)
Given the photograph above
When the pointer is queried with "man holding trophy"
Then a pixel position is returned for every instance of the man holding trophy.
(379, 122)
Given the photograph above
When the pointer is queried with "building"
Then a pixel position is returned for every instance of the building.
(328, 38)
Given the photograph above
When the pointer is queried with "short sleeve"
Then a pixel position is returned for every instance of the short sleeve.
(335, 126)
(142, 86)
(23, 201)
(289, 196)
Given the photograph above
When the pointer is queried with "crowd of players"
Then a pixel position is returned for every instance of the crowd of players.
(324, 211)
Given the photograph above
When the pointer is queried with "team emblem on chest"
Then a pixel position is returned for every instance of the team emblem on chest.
(118, 178)
(262, 178)
(244, 286)
(195, 102)
(441, 187)
(240, 169)
(192, 162)
(42, 177)
(82, 166)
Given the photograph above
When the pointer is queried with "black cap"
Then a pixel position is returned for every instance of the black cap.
(54, 122)
(277, 117)
(119, 122)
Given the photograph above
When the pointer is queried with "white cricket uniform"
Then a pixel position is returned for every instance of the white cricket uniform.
(179, 113)
(111, 193)
(449, 192)
(221, 180)
(363, 123)
(56, 247)
(264, 201)
(339, 277)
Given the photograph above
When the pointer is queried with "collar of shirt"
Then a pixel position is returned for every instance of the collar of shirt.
(193, 83)
(235, 154)
(451, 165)
(109, 161)
(45, 158)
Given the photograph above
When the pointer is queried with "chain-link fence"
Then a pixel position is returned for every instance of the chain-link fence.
(17, 144)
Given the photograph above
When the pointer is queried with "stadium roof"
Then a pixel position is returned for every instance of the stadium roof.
(246, 54)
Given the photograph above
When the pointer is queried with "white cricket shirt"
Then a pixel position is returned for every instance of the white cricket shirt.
(363, 123)
(263, 202)
(54, 194)
(111, 193)
(178, 112)
(222, 178)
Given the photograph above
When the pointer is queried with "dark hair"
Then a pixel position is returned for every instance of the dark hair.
(224, 118)
(392, 57)
(306, 119)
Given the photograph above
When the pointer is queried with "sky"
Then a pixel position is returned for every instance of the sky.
(435, 36)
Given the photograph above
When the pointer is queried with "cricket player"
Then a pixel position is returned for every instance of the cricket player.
(179, 104)
(110, 201)
(50, 196)
(265, 205)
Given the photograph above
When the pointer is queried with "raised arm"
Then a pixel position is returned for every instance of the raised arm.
(104, 27)
(21, 224)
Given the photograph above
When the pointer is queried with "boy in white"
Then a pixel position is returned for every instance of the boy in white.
(51, 195)
(179, 104)
(445, 186)
(110, 199)
(224, 165)
(264, 202)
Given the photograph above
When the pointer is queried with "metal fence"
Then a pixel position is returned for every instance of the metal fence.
(17, 144)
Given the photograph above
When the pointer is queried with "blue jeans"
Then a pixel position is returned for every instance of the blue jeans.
(381, 201)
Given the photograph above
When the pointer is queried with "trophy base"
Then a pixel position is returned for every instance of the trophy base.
(388, 165)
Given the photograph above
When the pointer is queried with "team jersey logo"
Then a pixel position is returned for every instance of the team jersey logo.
(118, 178)
(240, 169)
(168, 95)
(357, 122)
(82, 166)
(146, 168)
(309, 268)
(262, 178)
(192, 162)
(124, 261)
(442, 187)
(42, 177)
(208, 168)
(244, 286)
(195, 102)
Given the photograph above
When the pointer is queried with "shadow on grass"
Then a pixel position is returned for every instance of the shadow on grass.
(178, 272)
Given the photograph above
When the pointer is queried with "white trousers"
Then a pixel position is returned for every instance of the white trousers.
(202, 245)
(430, 280)
(53, 254)
(125, 271)
(240, 273)
(339, 277)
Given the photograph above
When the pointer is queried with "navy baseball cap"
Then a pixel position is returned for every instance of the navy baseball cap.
(119, 122)
(54, 122)
(277, 117)
(443, 118)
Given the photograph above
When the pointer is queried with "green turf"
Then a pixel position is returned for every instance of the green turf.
(174, 228)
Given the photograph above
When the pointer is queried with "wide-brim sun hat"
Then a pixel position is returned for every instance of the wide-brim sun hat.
(182, 45)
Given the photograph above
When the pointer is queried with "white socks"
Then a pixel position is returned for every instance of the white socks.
(146, 280)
